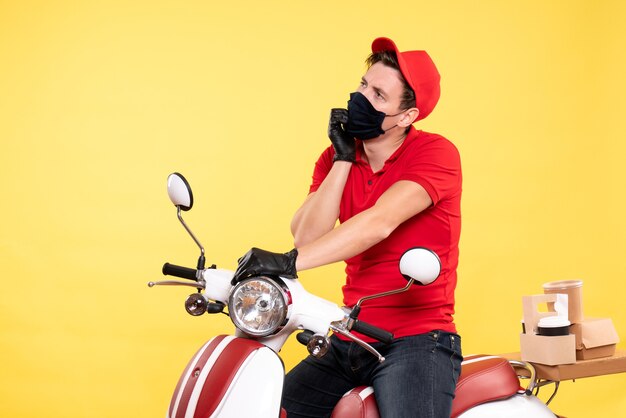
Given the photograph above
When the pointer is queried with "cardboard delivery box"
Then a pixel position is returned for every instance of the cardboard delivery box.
(595, 338)
(549, 350)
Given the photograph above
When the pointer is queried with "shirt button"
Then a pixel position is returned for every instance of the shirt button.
(369, 182)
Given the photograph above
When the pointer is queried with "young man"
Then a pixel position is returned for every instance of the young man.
(392, 188)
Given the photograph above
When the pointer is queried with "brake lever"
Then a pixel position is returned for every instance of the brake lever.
(197, 285)
(357, 340)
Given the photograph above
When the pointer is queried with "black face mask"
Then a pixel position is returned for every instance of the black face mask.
(364, 121)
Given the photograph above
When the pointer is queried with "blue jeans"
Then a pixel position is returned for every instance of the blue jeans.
(417, 379)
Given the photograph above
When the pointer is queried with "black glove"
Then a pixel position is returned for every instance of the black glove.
(257, 262)
(344, 145)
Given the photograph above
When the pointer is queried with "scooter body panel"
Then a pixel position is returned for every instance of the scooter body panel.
(517, 406)
(229, 377)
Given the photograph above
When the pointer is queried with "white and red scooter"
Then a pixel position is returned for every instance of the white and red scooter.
(241, 375)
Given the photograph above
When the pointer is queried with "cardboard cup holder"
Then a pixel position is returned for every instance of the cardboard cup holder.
(545, 349)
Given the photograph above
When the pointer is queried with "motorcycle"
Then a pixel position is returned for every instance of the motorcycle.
(242, 375)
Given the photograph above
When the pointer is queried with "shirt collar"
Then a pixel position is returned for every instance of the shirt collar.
(410, 137)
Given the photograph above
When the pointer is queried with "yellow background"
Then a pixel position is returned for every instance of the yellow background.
(100, 101)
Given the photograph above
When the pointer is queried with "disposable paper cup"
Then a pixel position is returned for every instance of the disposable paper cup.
(574, 291)
(553, 326)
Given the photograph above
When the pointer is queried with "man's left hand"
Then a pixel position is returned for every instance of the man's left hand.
(257, 262)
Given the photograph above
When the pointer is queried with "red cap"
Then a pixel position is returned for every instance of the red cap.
(419, 71)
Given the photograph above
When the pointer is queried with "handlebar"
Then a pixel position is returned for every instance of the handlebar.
(179, 271)
(372, 331)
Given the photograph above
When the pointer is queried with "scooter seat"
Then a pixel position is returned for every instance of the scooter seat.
(357, 403)
(483, 379)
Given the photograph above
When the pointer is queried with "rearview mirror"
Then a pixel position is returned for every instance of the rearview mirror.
(421, 265)
(179, 191)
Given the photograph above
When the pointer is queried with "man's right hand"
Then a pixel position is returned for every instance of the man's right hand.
(344, 145)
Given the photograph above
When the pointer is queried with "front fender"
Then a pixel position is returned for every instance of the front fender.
(229, 377)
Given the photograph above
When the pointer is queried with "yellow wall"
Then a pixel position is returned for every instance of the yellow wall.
(99, 101)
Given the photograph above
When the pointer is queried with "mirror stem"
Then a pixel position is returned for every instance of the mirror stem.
(201, 259)
(357, 308)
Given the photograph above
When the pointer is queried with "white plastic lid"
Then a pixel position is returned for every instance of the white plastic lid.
(553, 322)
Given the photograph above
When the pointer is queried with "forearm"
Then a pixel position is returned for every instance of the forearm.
(320, 211)
(345, 241)
(402, 201)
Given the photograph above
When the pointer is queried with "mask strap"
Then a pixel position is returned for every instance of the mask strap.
(385, 130)
(399, 113)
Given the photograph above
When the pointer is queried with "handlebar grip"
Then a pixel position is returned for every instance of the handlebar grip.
(373, 332)
(179, 271)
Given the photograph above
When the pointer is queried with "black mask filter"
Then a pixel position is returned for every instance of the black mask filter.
(364, 121)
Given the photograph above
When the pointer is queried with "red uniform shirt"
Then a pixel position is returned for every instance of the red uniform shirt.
(433, 162)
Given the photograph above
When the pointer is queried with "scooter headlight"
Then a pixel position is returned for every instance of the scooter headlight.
(258, 306)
